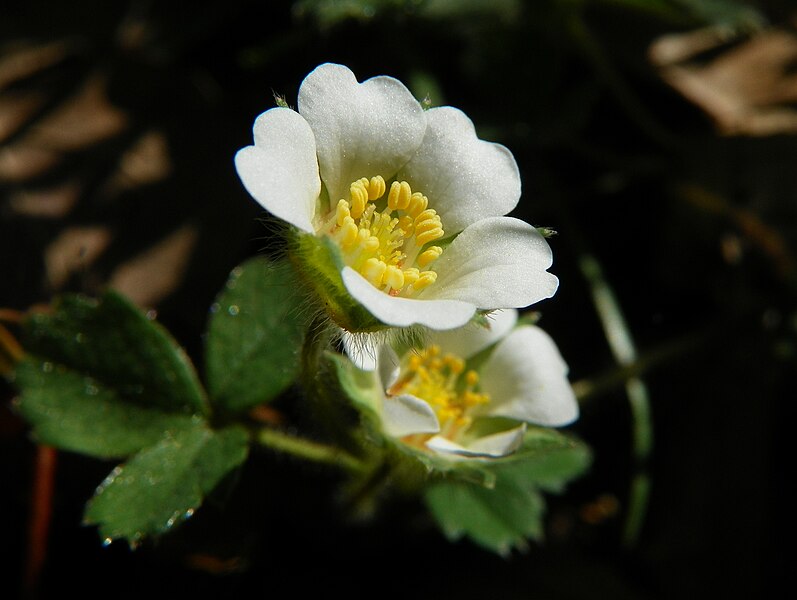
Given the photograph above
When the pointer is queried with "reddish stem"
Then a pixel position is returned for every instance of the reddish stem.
(40, 516)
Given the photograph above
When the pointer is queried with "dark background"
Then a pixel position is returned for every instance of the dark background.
(690, 212)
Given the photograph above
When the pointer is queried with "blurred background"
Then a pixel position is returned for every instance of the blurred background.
(657, 137)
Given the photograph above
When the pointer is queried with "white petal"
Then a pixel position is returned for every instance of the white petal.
(388, 365)
(498, 262)
(465, 178)
(361, 349)
(526, 379)
(403, 312)
(405, 415)
(281, 170)
(472, 338)
(361, 130)
(489, 446)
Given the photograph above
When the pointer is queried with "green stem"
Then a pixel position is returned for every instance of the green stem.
(308, 450)
(622, 346)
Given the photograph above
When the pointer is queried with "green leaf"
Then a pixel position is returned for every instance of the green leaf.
(498, 519)
(506, 509)
(164, 484)
(548, 459)
(255, 335)
(76, 412)
(103, 379)
(115, 343)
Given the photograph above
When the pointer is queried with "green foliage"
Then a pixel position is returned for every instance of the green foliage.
(103, 379)
(76, 412)
(498, 519)
(163, 485)
(112, 341)
(506, 510)
(255, 336)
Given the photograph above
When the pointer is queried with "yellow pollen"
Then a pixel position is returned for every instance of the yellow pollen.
(386, 237)
(441, 380)
(431, 254)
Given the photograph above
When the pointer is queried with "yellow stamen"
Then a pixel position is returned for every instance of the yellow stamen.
(431, 254)
(385, 238)
(441, 380)
(374, 271)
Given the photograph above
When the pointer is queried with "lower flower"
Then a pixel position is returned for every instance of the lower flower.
(469, 392)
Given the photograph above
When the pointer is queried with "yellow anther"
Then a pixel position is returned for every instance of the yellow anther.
(376, 187)
(374, 270)
(417, 204)
(455, 363)
(429, 236)
(395, 235)
(394, 277)
(359, 198)
(406, 223)
(427, 216)
(348, 233)
(399, 196)
(341, 212)
(426, 278)
(433, 350)
(411, 275)
(471, 378)
(431, 254)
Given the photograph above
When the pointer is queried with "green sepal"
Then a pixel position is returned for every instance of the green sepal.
(255, 335)
(164, 484)
(318, 262)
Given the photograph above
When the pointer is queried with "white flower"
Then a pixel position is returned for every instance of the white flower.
(391, 185)
(434, 397)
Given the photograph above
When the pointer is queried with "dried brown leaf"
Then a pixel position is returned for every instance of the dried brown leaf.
(746, 90)
(152, 275)
(51, 203)
(74, 249)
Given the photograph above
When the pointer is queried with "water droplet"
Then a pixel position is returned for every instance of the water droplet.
(79, 338)
(214, 308)
(189, 513)
(92, 390)
(233, 310)
(47, 367)
(236, 272)
(107, 542)
(152, 314)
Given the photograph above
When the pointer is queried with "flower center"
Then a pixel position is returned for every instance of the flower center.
(442, 381)
(389, 247)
